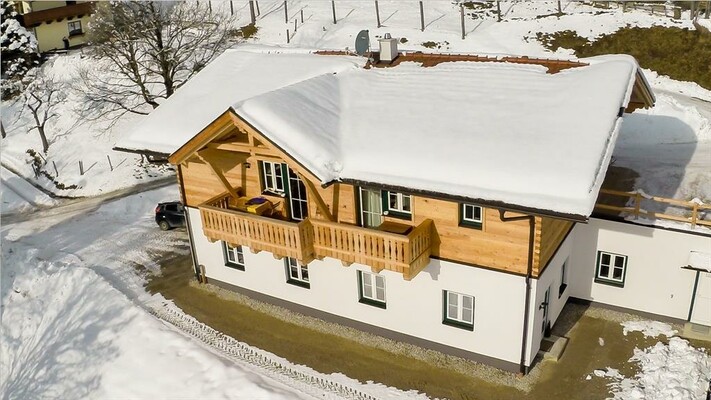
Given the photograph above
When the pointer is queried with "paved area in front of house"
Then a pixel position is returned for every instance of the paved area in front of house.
(596, 342)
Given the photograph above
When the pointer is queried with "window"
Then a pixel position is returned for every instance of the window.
(234, 257)
(458, 310)
(296, 274)
(611, 268)
(371, 289)
(74, 28)
(563, 279)
(397, 204)
(272, 177)
(471, 216)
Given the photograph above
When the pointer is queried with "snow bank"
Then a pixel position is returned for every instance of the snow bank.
(648, 328)
(674, 371)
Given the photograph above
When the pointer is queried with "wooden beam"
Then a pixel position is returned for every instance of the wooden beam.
(219, 176)
(319, 201)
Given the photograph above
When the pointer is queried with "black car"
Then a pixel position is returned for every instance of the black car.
(170, 215)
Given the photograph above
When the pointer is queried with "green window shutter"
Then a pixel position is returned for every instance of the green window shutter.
(384, 197)
(287, 189)
(358, 209)
(260, 172)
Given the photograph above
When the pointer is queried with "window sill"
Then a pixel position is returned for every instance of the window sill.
(561, 290)
(272, 193)
(234, 266)
(305, 285)
(609, 282)
(471, 225)
(457, 324)
(398, 214)
(373, 303)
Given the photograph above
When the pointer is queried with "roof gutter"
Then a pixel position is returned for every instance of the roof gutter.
(462, 199)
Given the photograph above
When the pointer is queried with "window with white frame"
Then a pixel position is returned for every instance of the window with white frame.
(371, 288)
(397, 204)
(458, 310)
(611, 268)
(74, 28)
(234, 257)
(563, 278)
(272, 177)
(296, 273)
(471, 216)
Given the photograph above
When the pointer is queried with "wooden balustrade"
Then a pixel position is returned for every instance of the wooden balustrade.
(408, 254)
(693, 208)
(283, 239)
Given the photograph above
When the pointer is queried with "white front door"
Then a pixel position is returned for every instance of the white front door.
(371, 208)
(701, 303)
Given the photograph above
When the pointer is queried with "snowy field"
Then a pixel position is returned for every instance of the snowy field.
(58, 341)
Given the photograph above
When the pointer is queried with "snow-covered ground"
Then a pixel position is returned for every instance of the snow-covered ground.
(73, 320)
(668, 371)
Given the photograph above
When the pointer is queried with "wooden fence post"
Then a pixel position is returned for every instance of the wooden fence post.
(56, 172)
(637, 204)
(288, 39)
(110, 165)
(252, 16)
(302, 15)
(498, 11)
(232, 8)
(333, 10)
(560, 9)
(422, 16)
(461, 12)
(286, 14)
(256, 3)
(81, 168)
(295, 25)
(377, 13)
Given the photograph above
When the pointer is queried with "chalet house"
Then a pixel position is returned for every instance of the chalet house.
(443, 200)
(53, 21)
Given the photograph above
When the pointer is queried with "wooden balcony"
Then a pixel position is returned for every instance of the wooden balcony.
(404, 253)
(36, 18)
(408, 254)
(282, 238)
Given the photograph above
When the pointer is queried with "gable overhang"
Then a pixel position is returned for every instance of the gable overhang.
(226, 122)
(642, 94)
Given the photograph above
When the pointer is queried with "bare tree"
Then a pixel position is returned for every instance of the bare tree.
(152, 48)
(41, 97)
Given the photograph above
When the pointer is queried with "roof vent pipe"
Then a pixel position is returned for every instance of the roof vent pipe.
(388, 48)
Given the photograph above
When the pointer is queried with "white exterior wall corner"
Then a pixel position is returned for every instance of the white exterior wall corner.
(551, 278)
(413, 308)
(654, 282)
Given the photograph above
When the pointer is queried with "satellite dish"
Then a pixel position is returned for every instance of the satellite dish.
(362, 43)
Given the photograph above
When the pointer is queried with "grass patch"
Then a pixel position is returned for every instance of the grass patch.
(476, 5)
(247, 31)
(682, 54)
(431, 45)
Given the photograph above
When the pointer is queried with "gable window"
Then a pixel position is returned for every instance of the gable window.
(563, 278)
(272, 177)
(371, 289)
(396, 204)
(74, 28)
(234, 257)
(458, 310)
(471, 216)
(296, 274)
(611, 268)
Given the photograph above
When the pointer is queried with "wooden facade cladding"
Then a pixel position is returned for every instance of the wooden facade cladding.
(35, 18)
(228, 157)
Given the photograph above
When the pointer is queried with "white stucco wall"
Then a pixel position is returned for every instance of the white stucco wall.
(551, 278)
(654, 280)
(413, 308)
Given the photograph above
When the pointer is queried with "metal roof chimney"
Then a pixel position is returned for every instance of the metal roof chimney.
(388, 48)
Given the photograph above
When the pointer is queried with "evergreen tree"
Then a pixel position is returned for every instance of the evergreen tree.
(19, 49)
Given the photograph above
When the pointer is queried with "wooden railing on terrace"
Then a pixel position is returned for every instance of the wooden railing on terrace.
(282, 238)
(407, 254)
(35, 18)
(694, 209)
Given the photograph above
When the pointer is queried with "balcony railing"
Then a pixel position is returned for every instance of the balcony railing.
(407, 254)
(282, 238)
(35, 18)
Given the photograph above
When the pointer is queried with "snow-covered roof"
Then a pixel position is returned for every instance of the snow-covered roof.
(235, 75)
(700, 260)
(491, 131)
(501, 132)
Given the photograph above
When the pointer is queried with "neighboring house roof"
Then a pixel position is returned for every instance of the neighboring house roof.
(490, 132)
